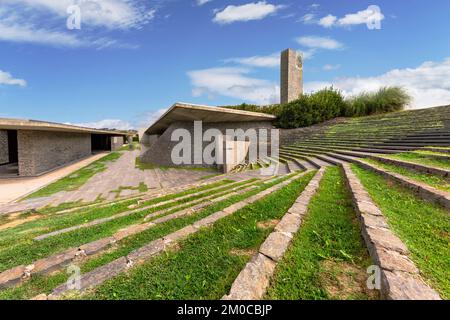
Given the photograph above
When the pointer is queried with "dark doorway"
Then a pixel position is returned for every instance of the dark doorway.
(13, 146)
(11, 168)
(100, 142)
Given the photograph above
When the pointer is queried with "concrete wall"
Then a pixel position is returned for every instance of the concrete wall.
(159, 152)
(41, 151)
(291, 81)
(4, 154)
(117, 143)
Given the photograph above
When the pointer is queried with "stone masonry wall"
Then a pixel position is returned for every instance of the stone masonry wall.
(41, 151)
(159, 152)
(116, 143)
(4, 154)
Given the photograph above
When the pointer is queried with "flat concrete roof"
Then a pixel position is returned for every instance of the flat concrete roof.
(191, 112)
(23, 124)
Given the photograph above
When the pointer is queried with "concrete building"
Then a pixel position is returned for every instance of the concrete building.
(162, 138)
(30, 148)
(291, 82)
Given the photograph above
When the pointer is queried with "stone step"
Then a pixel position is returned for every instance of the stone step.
(293, 166)
(440, 172)
(435, 149)
(316, 163)
(417, 144)
(253, 281)
(101, 274)
(60, 260)
(323, 157)
(131, 212)
(400, 277)
(423, 190)
(303, 164)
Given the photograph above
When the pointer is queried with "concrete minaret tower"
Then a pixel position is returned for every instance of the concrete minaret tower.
(291, 75)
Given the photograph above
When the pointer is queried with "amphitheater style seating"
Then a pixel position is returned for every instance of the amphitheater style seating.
(244, 238)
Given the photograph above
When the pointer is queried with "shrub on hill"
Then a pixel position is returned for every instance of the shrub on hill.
(310, 109)
(387, 99)
(329, 103)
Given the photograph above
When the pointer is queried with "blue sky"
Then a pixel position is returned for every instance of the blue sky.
(131, 59)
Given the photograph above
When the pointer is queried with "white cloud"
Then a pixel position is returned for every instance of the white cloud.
(270, 61)
(107, 13)
(308, 18)
(44, 21)
(202, 2)
(319, 43)
(7, 79)
(331, 67)
(247, 12)
(328, 21)
(107, 124)
(429, 83)
(235, 83)
(31, 34)
(371, 15)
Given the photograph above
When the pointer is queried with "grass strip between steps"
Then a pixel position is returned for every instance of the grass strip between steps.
(430, 179)
(207, 262)
(328, 258)
(39, 284)
(421, 225)
(55, 222)
(76, 179)
(421, 158)
(28, 251)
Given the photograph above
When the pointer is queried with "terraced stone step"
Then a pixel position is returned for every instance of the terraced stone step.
(110, 270)
(253, 280)
(58, 261)
(359, 149)
(436, 149)
(128, 213)
(440, 172)
(423, 190)
(312, 160)
(400, 277)
(319, 155)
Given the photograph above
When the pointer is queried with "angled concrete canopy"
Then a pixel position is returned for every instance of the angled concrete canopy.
(191, 112)
(22, 124)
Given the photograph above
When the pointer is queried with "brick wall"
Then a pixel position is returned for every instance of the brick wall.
(159, 152)
(4, 155)
(41, 151)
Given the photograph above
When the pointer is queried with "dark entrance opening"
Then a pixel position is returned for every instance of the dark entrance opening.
(13, 146)
(11, 168)
(100, 142)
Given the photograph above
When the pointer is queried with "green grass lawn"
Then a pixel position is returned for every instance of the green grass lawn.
(327, 259)
(422, 226)
(206, 263)
(421, 158)
(40, 284)
(77, 178)
(432, 180)
(23, 250)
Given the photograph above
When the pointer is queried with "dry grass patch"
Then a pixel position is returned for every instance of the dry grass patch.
(268, 224)
(344, 281)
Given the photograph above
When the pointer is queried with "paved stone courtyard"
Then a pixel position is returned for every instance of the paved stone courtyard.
(107, 184)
